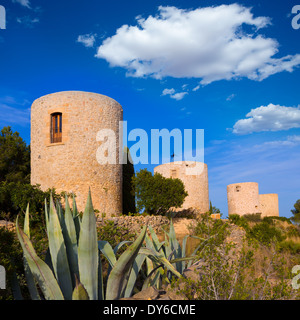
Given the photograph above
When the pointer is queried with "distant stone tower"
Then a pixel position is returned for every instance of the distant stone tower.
(243, 198)
(195, 185)
(64, 127)
(269, 205)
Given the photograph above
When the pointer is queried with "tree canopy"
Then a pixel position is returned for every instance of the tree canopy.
(14, 157)
(296, 212)
(156, 194)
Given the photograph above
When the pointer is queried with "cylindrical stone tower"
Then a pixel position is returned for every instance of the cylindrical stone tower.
(64, 128)
(195, 184)
(269, 205)
(243, 198)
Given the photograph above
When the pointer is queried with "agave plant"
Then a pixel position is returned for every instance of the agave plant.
(166, 258)
(72, 267)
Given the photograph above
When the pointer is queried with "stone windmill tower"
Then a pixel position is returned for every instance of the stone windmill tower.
(195, 184)
(64, 128)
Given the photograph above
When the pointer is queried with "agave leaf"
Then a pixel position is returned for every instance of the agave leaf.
(76, 217)
(48, 260)
(88, 251)
(159, 260)
(183, 253)
(150, 244)
(100, 280)
(15, 287)
(46, 216)
(156, 243)
(58, 253)
(108, 252)
(175, 246)
(153, 280)
(79, 292)
(197, 248)
(118, 277)
(60, 215)
(137, 264)
(169, 266)
(29, 277)
(71, 241)
(182, 259)
(119, 245)
(26, 222)
(39, 268)
(167, 246)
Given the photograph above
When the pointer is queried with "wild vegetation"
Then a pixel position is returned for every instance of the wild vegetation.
(244, 258)
(60, 253)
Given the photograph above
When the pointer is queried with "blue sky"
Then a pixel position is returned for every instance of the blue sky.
(230, 68)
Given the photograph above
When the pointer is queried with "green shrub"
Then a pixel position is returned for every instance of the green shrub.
(291, 246)
(14, 197)
(266, 233)
(239, 221)
(11, 258)
(254, 217)
(114, 234)
(283, 219)
(292, 231)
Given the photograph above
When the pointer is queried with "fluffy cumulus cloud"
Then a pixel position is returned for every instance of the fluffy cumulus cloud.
(88, 40)
(269, 118)
(208, 43)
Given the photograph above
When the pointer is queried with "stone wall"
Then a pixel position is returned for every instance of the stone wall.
(135, 223)
(195, 184)
(71, 165)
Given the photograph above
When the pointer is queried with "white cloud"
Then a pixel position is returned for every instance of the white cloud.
(291, 141)
(28, 21)
(206, 43)
(178, 96)
(10, 115)
(172, 93)
(230, 97)
(88, 40)
(168, 91)
(269, 118)
(24, 3)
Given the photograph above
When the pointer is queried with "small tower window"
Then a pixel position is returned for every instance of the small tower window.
(237, 188)
(174, 174)
(56, 127)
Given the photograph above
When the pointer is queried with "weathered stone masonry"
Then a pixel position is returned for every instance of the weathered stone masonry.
(71, 164)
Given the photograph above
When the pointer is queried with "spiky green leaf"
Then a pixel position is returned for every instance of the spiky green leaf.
(39, 268)
(71, 241)
(118, 277)
(79, 292)
(58, 253)
(88, 251)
